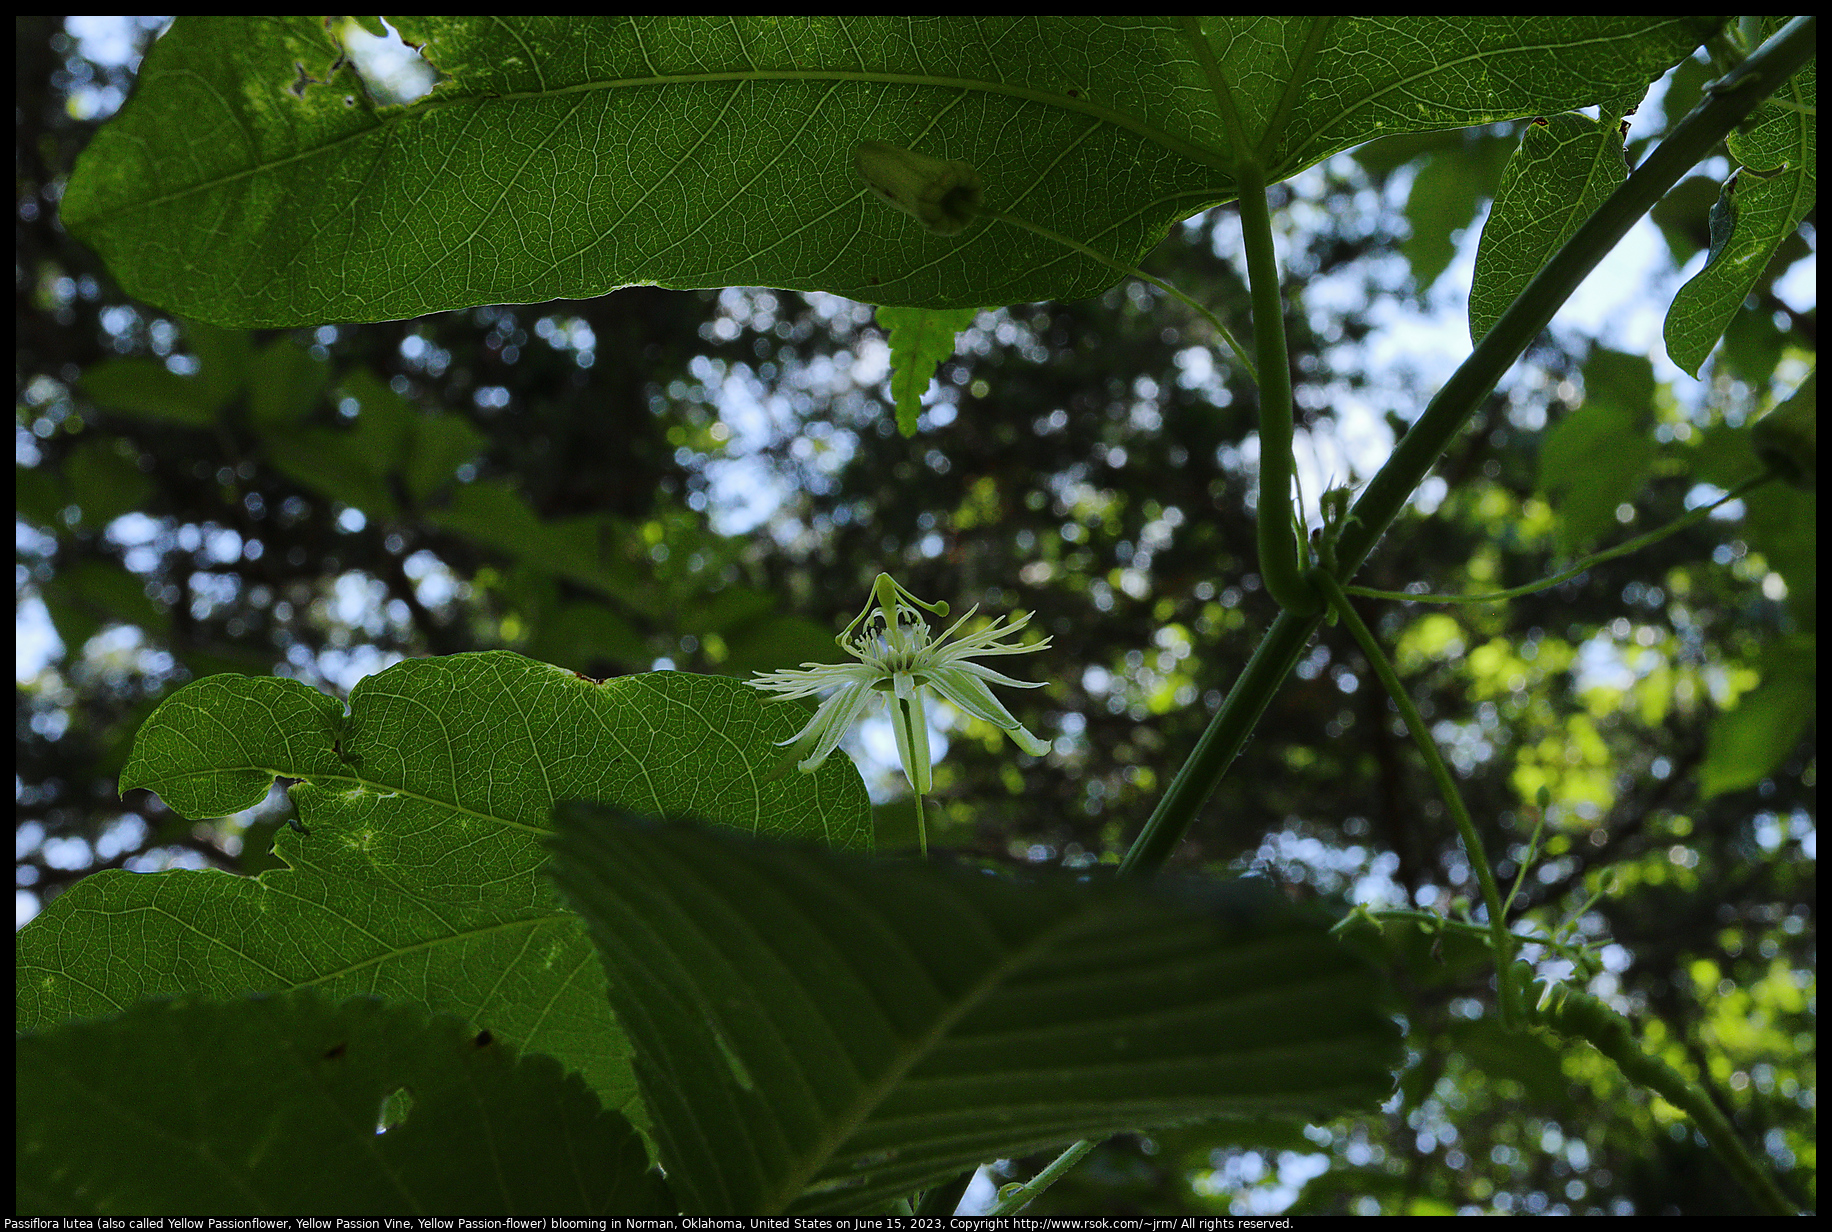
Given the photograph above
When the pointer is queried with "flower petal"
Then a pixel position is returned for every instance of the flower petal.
(948, 633)
(1029, 743)
(986, 673)
(831, 722)
(910, 718)
(812, 678)
(973, 697)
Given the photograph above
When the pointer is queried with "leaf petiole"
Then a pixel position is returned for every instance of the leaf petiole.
(1633, 545)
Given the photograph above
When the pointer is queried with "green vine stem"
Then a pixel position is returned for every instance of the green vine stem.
(1582, 1016)
(1278, 545)
(1501, 938)
(1633, 545)
(1693, 139)
(1025, 1194)
(1277, 542)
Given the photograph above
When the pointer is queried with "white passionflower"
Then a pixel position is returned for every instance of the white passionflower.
(898, 657)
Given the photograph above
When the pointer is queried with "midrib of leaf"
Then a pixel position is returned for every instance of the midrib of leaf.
(376, 785)
(1194, 151)
(1803, 149)
(876, 1093)
(1575, 214)
(387, 952)
(1218, 84)
(211, 185)
(1070, 1121)
(587, 966)
(1281, 114)
(457, 809)
(449, 805)
(1178, 145)
(1298, 157)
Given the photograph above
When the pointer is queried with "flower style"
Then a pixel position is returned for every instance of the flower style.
(897, 655)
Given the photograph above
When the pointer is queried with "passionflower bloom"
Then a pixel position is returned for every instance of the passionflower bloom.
(898, 657)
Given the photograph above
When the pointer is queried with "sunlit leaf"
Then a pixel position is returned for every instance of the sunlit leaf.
(1567, 166)
(419, 878)
(1597, 458)
(1749, 741)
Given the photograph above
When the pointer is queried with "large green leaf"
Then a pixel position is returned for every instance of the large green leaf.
(251, 180)
(426, 806)
(269, 1106)
(818, 1033)
(1761, 204)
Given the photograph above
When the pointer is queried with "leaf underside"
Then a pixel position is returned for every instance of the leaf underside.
(816, 1034)
(251, 180)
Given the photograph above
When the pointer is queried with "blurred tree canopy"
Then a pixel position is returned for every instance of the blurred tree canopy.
(710, 480)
